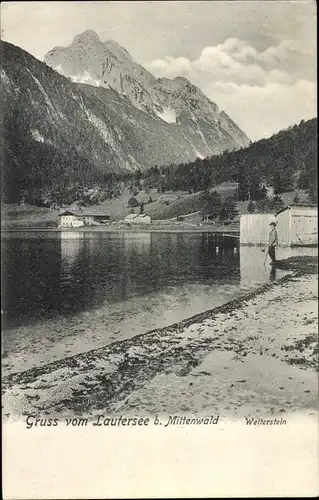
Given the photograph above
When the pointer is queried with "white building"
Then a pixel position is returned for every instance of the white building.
(70, 219)
(73, 219)
(89, 220)
(137, 219)
(297, 225)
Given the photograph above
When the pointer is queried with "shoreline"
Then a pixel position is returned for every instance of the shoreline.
(228, 307)
(125, 375)
(102, 229)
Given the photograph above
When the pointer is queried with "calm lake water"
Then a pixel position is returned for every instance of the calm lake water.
(64, 293)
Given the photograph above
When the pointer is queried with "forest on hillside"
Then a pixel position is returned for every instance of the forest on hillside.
(285, 162)
(45, 172)
(52, 175)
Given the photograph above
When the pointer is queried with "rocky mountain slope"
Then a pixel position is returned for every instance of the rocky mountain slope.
(59, 133)
(177, 101)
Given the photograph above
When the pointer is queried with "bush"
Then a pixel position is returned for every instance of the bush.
(132, 202)
(296, 199)
(270, 204)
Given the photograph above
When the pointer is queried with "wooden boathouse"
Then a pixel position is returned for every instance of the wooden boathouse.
(297, 225)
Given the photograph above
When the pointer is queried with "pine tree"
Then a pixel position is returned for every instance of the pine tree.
(228, 209)
(278, 189)
(251, 207)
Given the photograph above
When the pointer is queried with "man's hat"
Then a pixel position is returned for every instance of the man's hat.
(272, 224)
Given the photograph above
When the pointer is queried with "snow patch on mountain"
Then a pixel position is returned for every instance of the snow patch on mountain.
(131, 163)
(199, 155)
(204, 140)
(87, 79)
(101, 127)
(39, 137)
(168, 114)
(55, 112)
(190, 143)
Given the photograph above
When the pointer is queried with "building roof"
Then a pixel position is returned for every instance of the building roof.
(207, 213)
(131, 216)
(89, 214)
(66, 212)
(134, 216)
(292, 205)
(82, 214)
(258, 214)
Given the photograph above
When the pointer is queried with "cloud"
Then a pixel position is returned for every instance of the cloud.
(170, 67)
(236, 60)
(221, 63)
(262, 111)
(262, 90)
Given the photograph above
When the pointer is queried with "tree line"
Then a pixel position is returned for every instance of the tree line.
(284, 162)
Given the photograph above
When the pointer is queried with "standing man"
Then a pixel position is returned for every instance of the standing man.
(273, 241)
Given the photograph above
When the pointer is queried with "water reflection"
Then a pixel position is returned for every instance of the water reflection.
(68, 272)
(70, 248)
(254, 266)
(273, 274)
(255, 263)
(137, 242)
(31, 270)
(167, 274)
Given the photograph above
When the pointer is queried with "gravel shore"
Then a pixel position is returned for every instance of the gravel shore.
(254, 355)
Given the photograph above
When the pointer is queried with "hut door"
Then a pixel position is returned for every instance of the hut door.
(305, 227)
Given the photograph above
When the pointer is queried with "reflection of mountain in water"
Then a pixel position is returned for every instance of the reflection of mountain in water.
(71, 272)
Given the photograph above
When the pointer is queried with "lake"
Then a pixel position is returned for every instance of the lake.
(64, 293)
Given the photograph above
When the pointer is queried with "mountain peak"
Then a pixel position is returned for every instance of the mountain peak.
(181, 79)
(90, 129)
(117, 49)
(174, 101)
(87, 36)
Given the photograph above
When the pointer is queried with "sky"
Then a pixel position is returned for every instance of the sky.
(255, 59)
